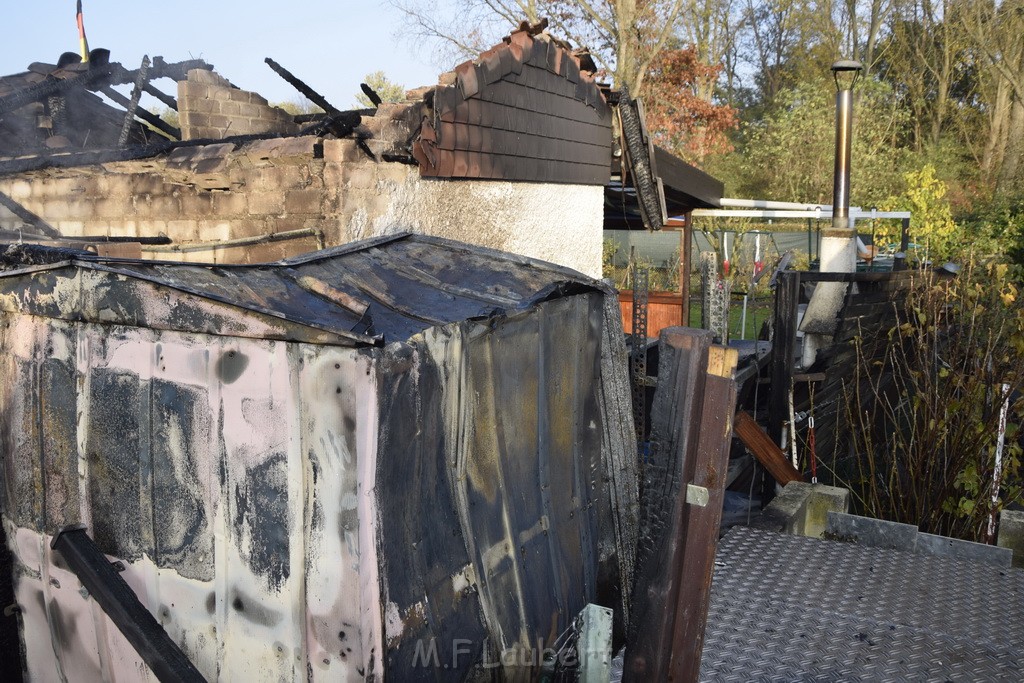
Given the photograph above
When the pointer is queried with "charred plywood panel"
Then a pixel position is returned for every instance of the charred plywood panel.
(429, 594)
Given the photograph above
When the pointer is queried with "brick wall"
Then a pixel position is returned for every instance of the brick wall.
(210, 108)
(221, 191)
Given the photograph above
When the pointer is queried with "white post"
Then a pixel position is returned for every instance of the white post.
(1000, 440)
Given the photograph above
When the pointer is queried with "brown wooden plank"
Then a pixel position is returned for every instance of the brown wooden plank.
(702, 522)
(675, 418)
(765, 450)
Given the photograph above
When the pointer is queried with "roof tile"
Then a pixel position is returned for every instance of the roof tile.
(446, 163)
(555, 59)
(460, 167)
(467, 79)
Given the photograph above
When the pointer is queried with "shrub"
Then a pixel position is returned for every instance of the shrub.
(924, 414)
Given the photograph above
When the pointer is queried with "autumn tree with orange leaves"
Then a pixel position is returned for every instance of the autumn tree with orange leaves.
(679, 118)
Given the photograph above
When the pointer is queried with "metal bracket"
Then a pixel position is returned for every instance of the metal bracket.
(594, 646)
(697, 495)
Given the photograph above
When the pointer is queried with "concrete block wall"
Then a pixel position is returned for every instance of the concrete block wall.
(222, 191)
(210, 108)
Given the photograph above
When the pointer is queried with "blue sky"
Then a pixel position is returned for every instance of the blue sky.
(330, 45)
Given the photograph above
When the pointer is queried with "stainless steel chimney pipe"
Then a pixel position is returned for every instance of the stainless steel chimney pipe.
(838, 252)
(844, 139)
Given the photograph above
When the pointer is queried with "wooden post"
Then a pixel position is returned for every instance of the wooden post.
(787, 297)
(703, 514)
(675, 415)
(685, 258)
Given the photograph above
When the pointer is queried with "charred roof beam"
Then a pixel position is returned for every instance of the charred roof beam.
(310, 94)
(148, 117)
(52, 86)
(27, 216)
(133, 104)
(161, 95)
(96, 77)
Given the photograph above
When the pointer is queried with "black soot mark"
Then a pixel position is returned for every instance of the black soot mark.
(255, 612)
(231, 365)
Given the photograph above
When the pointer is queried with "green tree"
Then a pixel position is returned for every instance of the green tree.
(298, 107)
(931, 220)
(388, 90)
(789, 154)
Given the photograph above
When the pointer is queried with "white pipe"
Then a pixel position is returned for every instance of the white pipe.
(792, 431)
(743, 319)
(770, 204)
(856, 214)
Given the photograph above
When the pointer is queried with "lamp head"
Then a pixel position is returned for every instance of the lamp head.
(844, 67)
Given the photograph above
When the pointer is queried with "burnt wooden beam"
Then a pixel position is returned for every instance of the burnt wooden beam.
(764, 449)
(177, 71)
(65, 159)
(149, 117)
(27, 216)
(161, 95)
(877, 276)
(116, 598)
(310, 94)
(371, 94)
(133, 103)
(340, 124)
(784, 321)
(787, 297)
(702, 516)
(675, 416)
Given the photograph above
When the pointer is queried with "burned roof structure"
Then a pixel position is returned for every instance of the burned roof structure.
(523, 125)
(310, 467)
(524, 110)
(57, 106)
(649, 185)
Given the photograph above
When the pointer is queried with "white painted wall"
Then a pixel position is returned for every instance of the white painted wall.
(558, 223)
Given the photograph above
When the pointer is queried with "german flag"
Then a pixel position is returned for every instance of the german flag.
(83, 42)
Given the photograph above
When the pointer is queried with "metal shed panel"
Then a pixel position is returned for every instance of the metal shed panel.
(489, 466)
(223, 472)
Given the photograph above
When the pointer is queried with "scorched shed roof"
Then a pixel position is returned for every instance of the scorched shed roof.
(365, 293)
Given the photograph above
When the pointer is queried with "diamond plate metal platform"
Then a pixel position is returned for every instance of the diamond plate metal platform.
(788, 608)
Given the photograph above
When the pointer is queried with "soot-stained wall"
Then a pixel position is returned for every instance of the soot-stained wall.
(224, 472)
(294, 511)
(328, 188)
